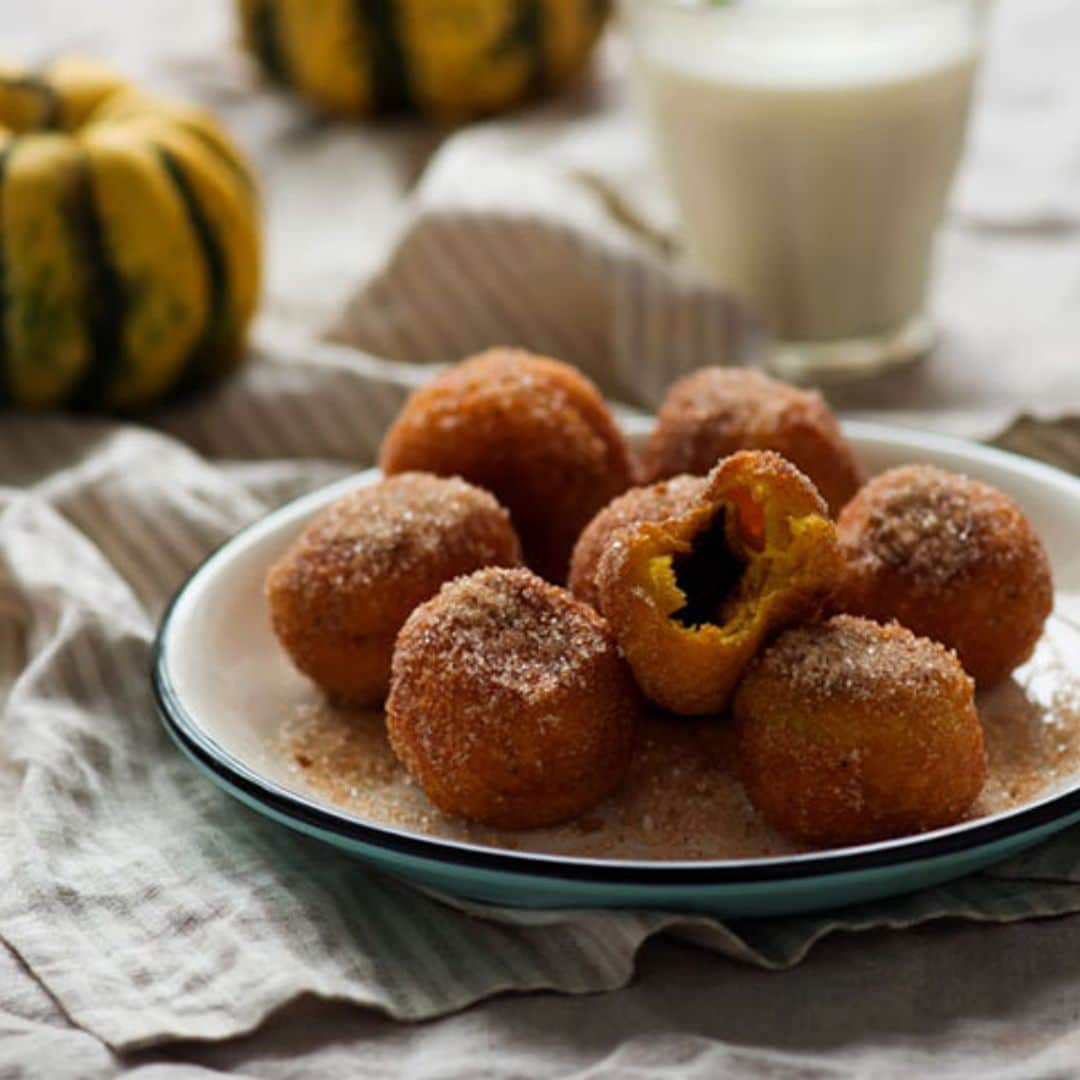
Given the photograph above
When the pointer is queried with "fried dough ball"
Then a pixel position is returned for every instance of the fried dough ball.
(509, 703)
(716, 411)
(691, 599)
(533, 431)
(340, 594)
(653, 503)
(850, 732)
(952, 559)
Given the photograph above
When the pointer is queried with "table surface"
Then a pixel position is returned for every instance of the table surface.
(1007, 291)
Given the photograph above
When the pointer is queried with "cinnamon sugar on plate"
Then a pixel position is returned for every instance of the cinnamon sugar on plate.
(681, 798)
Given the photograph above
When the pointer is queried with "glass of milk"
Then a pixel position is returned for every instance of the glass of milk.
(809, 146)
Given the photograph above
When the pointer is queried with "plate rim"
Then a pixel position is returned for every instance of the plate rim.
(231, 771)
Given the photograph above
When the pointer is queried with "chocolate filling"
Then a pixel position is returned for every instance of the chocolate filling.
(708, 575)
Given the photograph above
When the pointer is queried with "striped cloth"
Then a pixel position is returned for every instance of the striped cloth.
(631, 322)
(150, 905)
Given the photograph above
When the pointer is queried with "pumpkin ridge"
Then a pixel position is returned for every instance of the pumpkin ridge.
(208, 349)
(5, 391)
(51, 105)
(106, 302)
(389, 64)
(234, 167)
(266, 42)
(526, 34)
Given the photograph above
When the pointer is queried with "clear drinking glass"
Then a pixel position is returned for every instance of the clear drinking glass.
(809, 146)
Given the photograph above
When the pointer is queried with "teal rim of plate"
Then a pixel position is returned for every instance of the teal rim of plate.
(966, 836)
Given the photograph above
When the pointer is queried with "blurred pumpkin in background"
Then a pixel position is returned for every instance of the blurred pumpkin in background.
(448, 59)
(129, 242)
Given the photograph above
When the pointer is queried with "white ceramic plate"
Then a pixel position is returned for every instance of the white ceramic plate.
(225, 690)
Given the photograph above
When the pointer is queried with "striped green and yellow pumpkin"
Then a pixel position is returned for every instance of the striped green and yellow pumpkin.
(129, 242)
(450, 59)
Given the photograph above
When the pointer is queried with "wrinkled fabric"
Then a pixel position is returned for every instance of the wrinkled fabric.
(153, 907)
(141, 908)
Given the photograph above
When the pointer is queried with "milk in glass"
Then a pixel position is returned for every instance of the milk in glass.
(810, 145)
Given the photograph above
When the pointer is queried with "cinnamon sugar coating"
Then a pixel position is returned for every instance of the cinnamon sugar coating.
(655, 503)
(509, 702)
(533, 431)
(716, 411)
(691, 599)
(952, 559)
(342, 591)
(851, 732)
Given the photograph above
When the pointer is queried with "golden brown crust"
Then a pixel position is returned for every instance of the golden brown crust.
(952, 559)
(717, 411)
(340, 594)
(509, 702)
(778, 554)
(850, 732)
(654, 503)
(533, 431)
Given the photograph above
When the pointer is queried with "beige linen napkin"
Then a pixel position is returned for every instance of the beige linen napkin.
(147, 903)
(153, 907)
